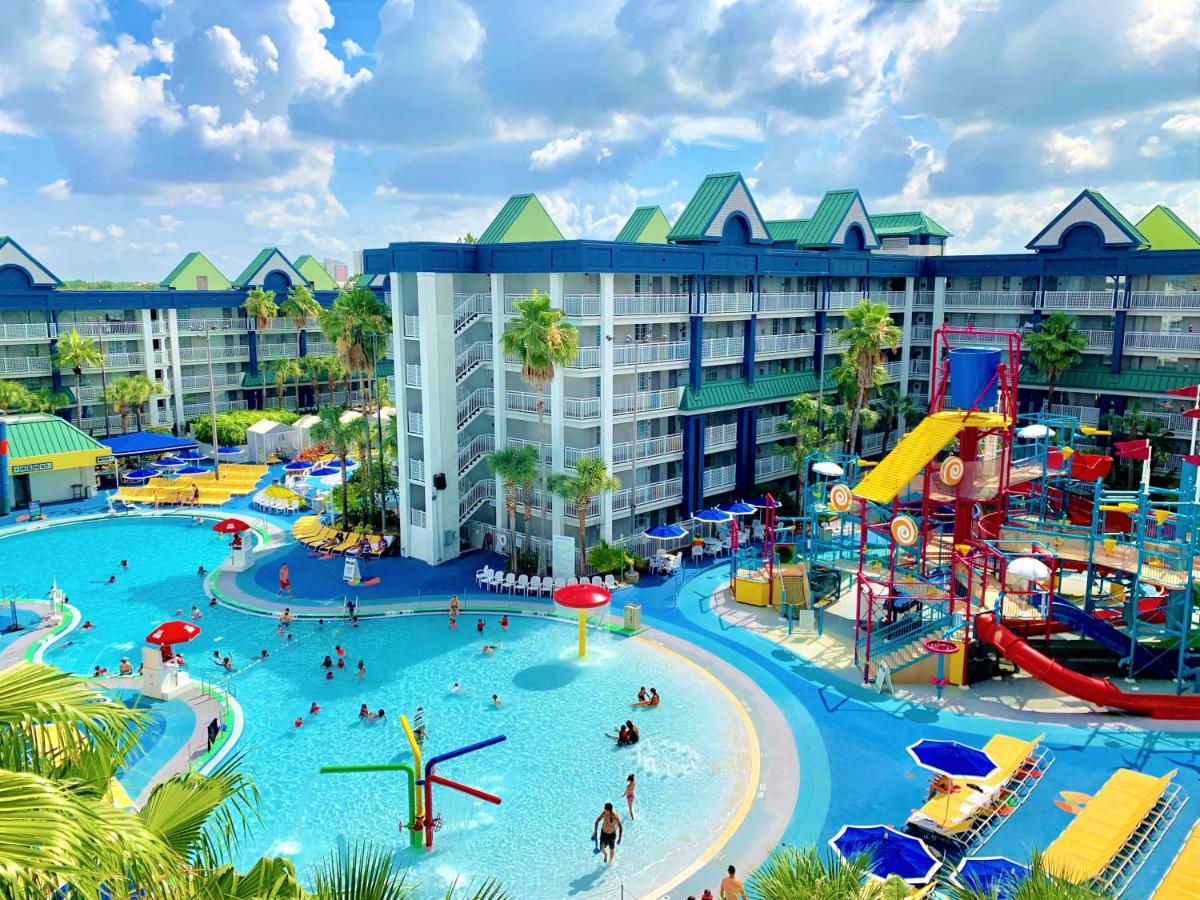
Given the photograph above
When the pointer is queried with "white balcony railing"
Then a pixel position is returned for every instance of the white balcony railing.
(511, 300)
(639, 306)
(732, 302)
(770, 427)
(474, 449)
(647, 401)
(766, 344)
(479, 399)
(319, 348)
(25, 331)
(923, 300)
(1177, 342)
(199, 353)
(894, 369)
(918, 367)
(192, 410)
(25, 365)
(798, 302)
(468, 306)
(650, 352)
(719, 478)
(416, 517)
(581, 305)
(987, 299)
(922, 334)
(412, 375)
(1078, 299)
(287, 323)
(1098, 340)
(271, 350)
(416, 470)
(723, 348)
(416, 424)
(717, 437)
(773, 466)
(656, 492)
(474, 355)
(186, 326)
(1087, 415)
(648, 449)
(581, 408)
(526, 402)
(894, 299)
(588, 358)
(845, 299)
(475, 496)
(872, 443)
(120, 361)
(114, 330)
(1164, 299)
(219, 380)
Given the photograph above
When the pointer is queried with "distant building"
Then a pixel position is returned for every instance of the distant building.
(337, 269)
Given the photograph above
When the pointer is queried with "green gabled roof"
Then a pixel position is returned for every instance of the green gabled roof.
(363, 280)
(183, 276)
(1103, 203)
(736, 392)
(647, 225)
(786, 229)
(823, 225)
(703, 206)
(1099, 380)
(1166, 231)
(255, 264)
(522, 218)
(39, 435)
(316, 275)
(1135, 238)
(894, 224)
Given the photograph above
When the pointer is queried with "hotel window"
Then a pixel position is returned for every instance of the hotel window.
(637, 284)
(710, 374)
(202, 282)
(1005, 283)
(641, 331)
(974, 283)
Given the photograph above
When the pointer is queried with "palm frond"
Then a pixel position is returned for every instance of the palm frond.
(360, 872)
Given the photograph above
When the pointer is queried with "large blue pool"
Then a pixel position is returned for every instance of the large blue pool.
(554, 772)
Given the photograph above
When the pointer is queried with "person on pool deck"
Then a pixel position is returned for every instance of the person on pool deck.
(608, 824)
(285, 581)
(504, 623)
(327, 662)
(351, 606)
(940, 784)
(454, 610)
(630, 790)
(100, 670)
(731, 887)
(363, 712)
(125, 668)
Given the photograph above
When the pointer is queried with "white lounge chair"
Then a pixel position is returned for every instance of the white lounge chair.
(522, 584)
(510, 582)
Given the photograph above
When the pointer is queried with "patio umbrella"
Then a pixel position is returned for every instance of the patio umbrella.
(230, 451)
(712, 515)
(832, 469)
(739, 508)
(994, 876)
(140, 475)
(192, 470)
(173, 632)
(191, 455)
(892, 853)
(324, 471)
(1035, 432)
(169, 462)
(666, 532)
(764, 503)
(952, 759)
(1029, 568)
(231, 526)
(299, 465)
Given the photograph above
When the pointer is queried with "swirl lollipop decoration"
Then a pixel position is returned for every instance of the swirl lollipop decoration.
(904, 531)
(952, 470)
(840, 497)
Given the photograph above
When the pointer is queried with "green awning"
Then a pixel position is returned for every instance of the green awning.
(737, 392)
(1097, 380)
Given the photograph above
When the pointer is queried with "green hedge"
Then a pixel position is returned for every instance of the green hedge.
(231, 426)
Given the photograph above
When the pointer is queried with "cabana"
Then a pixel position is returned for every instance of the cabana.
(266, 438)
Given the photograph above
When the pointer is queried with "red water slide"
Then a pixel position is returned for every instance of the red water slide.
(1098, 691)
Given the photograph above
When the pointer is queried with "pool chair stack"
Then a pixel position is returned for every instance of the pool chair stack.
(959, 823)
(1110, 838)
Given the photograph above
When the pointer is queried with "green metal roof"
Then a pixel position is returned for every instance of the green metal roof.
(786, 229)
(1166, 231)
(178, 270)
(264, 378)
(893, 224)
(183, 277)
(703, 206)
(315, 274)
(1099, 380)
(255, 264)
(1134, 237)
(522, 218)
(647, 225)
(40, 435)
(821, 227)
(736, 392)
(1115, 213)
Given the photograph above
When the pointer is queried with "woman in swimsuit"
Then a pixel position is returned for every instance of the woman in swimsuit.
(629, 792)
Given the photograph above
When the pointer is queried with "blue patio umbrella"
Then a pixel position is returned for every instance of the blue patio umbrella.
(712, 515)
(299, 465)
(141, 475)
(891, 852)
(337, 463)
(738, 508)
(995, 876)
(192, 470)
(230, 451)
(763, 503)
(323, 472)
(169, 462)
(191, 455)
(953, 759)
(666, 532)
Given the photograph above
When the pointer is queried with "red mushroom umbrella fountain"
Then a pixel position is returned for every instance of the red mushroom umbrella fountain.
(582, 598)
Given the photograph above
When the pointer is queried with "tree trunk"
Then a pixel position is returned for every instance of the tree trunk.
(345, 512)
(528, 511)
(367, 462)
(124, 421)
(546, 503)
(78, 399)
(1049, 392)
(138, 414)
(511, 503)
(852, 431)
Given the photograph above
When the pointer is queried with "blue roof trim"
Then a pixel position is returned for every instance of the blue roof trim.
(146, 443)
(100, 301)
(753, 205)
(1134, 239)
(8, 239)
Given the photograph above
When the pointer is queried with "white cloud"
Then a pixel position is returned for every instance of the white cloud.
(3, 181)
(351, 49)
(115, 231)
(1071, 154)
(59, 189)
(557, 151)
(1155, 148)
(718, 130)
(1187, 124)
(270, 53)
(84, 233)
(153, 249)
(230, 57)
(301, 210)
(166, 222)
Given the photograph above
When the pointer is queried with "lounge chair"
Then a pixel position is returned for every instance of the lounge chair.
(353, 539)
(1182, 881)
(1106, 827)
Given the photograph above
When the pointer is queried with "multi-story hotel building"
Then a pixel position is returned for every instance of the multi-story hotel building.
(694, 339)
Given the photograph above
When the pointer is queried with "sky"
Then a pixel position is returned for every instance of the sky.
(134, 131)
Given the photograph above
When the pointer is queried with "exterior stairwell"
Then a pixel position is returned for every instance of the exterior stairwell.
(901, 643)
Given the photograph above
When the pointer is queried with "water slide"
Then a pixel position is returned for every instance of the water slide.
(917, 449)
(1097, 691)
(1146, 662)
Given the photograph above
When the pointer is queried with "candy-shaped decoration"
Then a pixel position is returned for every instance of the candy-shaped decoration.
(840, 497)
(904, 531)
(951, 471)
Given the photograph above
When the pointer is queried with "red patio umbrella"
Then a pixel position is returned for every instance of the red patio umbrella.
(174, 632)
(230, 526)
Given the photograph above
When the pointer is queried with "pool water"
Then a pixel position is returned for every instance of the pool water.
(554, 772)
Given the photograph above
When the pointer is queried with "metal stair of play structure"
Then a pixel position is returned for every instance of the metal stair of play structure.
(904, 645)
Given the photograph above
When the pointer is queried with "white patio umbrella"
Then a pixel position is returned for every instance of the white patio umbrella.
(1029, 568)
(831, 469)
(1035, 432)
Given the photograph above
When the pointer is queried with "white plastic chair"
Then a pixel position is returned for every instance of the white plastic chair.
(510, 582)
(535, 585)
(558, 582)
(482, 575)
(497, 581)
(522, 585)
(610, 582)
(572, 580)
(597, 581)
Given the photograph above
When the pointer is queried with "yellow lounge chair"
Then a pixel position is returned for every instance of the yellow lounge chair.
(1088, 845)
(1009, 753)
(351, 539)
(1182, 881)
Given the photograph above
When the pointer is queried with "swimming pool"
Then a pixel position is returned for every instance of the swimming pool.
(554, 771)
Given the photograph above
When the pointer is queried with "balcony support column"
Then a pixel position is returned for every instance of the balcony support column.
(55, 372)
(693, 464)
(557, 427)
(1118, 340)
(606, 400)
(747, 447)
(252, 335)
(499, 407)
(748, 348)
(400, 355)
(696, 352)
(906, 345)
(177, 371)
(148, 354)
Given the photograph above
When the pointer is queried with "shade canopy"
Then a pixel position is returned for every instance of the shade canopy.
(140, 474)
(1029, 568)
(582, 596)
(995, 876)
(323, 472)
(764, 503)
(712, 515)
(231, 526)
(738, 508)
(1035, 432)
(1191, 391)
(299, 465)
(173, 632)
(666, 532)
(891, 852)
(832, 469)
(146, 443)
(952, 759)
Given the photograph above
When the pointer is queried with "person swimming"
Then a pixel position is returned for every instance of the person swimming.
(99, 670)
(489, 649)
(622, 736)
(504, 623)
(327, 662)
(329, 675)
(202, 571)
(314, 709)
(112, 579)
(212, 602)
(495, 699)
(650, 701)
(299, 722)
(339, 650)
(196, 614)
(263, 655)
(634, 735)
(363, 712)
(87, 626)
(362, 669)
(227, 664)
(642, 695)
(124, 564)
(380, 715)
(341, 663)
(454, 688)
(125, 668)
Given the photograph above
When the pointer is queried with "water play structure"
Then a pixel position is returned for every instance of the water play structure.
(985, 527)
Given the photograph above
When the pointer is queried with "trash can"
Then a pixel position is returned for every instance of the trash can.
(633, 617)
(971, 370)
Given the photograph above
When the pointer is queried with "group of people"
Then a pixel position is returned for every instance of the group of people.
(731, 888)
(329, 665)
(626, 735)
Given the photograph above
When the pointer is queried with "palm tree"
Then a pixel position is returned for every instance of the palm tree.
(1055, 346)
(334, 372)
(313, 367)
(817, 428)
(892, 406)
(78, 353)
(261, 306)
(13, 395)
(120, 397)
(341, 437)
(300, 305)
(129, 394)
(44, 400)
(544, 340)
(514, 466)
(356, 316)
(868, 332)
(791, 872)
(592, 479)
(285, 372)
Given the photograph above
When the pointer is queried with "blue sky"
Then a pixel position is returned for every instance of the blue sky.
(133, 131)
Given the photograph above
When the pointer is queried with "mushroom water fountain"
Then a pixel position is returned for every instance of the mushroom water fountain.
(582, 598)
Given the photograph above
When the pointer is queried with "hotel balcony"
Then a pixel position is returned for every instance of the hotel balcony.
(651, 306)
(1156, 341)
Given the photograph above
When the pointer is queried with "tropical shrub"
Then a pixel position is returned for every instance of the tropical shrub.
(231, 426)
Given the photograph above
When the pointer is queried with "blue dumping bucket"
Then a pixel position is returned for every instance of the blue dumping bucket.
(971, 368)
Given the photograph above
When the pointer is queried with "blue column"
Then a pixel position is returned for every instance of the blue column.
(1118, 340)
(303, 342)
(693, 464)
(55, 371)
(819, 344)
(253, 351)
(5, 493)
(747, 448)
(696, 352)
(748, 349)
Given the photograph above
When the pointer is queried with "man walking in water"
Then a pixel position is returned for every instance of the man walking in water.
(731, 887)
(608, 823)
